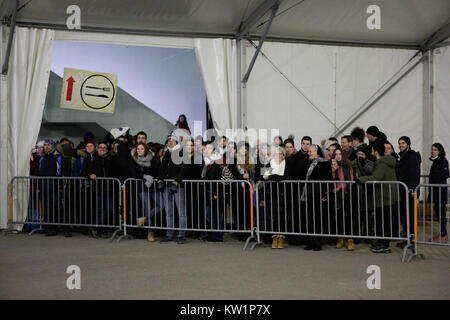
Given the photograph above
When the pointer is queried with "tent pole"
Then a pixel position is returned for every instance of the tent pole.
(5, 58)
(238, 117)
(428, 108)
(3, 137)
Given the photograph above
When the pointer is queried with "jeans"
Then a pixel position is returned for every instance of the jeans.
(168, 199)
(105, 210)
(145, 196)
(214, 216)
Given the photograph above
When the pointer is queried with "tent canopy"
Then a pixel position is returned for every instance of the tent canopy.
(404, 23)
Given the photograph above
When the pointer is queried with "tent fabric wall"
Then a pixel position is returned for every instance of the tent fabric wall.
(442, 97)
(218, 63)
(337, 80)
(28, 80)
(29, 70)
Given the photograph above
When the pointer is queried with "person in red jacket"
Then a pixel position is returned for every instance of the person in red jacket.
(182, 123)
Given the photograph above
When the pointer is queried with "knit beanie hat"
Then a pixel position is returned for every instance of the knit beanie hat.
(406, 139)
(373, 131)
(90, 142)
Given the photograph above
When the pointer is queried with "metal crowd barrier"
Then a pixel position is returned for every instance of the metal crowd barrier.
(64, 202)
(191, 205)
(332, 209)
(431, 216)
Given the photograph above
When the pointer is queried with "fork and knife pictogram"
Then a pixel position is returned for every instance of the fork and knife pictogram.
(98, 95)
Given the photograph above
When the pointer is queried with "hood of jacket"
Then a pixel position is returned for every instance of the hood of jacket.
(388, 161)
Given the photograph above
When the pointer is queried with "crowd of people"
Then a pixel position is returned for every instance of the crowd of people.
(122, 156)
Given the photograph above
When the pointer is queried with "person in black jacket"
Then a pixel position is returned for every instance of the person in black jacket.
(51, 190)
(102, 193)
(439, 173)
(215, 201)
(170, 170)
(408, 171)
(374, 134)
(315, 195)
(189, 170)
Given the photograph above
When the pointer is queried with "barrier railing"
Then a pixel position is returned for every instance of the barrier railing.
(431, 216)
(374, 210)
(339, 209)
(190, 205)
(65, 202)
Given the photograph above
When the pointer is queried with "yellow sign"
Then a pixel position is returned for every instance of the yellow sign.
(88, 90)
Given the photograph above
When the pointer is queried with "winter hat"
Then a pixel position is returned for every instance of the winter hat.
(172, 136)
(53, 143)
(88, 136)
(373, 131)
(90, 142)
(119, 132)
(406, 139)
(40, 143)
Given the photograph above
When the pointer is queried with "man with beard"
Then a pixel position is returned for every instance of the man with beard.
(408, 171)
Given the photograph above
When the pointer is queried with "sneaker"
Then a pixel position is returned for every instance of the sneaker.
(180, 240)
(317, 247)
(165, 239)
(308, 247)
(440, 239)
(375, 245)
(50, 233)
(382, 249)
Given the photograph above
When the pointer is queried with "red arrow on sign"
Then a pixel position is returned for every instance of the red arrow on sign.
(69, 88)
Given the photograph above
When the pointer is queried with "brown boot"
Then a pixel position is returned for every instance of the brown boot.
(274, 242)
(340, 243)
(280, 242)
(150, 237)
(350, 245)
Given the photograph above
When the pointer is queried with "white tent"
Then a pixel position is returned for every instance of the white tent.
(320, 69)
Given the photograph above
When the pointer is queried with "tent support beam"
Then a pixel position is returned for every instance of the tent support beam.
(254, 17)
(261, 41)
(180, 34)
(440, 35)
(385, 88)
(10, 39)
(427, 110)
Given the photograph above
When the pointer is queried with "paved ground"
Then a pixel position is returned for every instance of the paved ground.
(34, 267)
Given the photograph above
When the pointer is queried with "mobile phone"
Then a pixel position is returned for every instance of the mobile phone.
(334, 161)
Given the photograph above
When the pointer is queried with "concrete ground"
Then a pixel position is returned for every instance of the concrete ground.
(34, 267)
